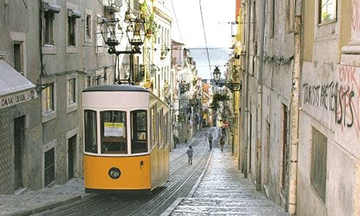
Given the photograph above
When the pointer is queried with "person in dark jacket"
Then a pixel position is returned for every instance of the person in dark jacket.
(222, 142)
(190, 152)
(210, 140)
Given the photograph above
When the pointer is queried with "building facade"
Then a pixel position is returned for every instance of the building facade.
(55, 45)
(299, 140)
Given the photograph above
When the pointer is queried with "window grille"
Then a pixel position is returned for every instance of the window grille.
(318, 162)
(285, 156)
(49, 166)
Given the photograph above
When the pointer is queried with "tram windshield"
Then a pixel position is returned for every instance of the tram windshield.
(113, 132)
(139, 131)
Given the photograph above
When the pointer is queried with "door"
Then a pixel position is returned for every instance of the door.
(71, 156)
(19, 137)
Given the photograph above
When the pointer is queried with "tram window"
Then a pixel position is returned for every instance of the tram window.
(139, 131)
(161, 128)
(90, 131)
(153, 125)
(113, 132)
(166, 129)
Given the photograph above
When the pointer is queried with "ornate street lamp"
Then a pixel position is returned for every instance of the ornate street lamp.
(217, 74)
(232, 85)
(135, 32)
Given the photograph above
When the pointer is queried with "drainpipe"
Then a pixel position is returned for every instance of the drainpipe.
(246, 113)
(260, 94)
(294, 132)
(42, 73)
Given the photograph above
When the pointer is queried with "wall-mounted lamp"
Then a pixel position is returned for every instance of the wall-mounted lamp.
(232, 85)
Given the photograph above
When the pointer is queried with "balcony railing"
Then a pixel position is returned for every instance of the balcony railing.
(112, 5)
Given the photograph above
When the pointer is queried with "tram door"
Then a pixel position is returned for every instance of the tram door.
(19, 138)
(71, 156)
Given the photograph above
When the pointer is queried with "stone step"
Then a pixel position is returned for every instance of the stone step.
(227, 210)
(227, 202)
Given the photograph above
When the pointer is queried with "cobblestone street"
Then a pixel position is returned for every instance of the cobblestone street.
(223, 191)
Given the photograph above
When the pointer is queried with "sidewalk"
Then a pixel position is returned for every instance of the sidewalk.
(223, 191)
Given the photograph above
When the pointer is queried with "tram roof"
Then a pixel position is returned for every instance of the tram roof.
(115, 88)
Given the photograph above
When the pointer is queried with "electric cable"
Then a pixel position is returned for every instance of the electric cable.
(207, 50)
(177, 22)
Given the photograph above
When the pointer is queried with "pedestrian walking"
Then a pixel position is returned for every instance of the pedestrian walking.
(190, 154)
(210, 140)
(222, 142)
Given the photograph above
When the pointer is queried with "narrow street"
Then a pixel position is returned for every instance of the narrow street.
(223, 191)
(211, 185)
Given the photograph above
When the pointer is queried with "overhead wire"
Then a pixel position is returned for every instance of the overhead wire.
(176, 19)
(207, 50)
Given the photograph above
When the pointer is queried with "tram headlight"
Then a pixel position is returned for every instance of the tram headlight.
(114, 173)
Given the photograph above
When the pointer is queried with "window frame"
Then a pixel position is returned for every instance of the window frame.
(47, 114)
(49, 17)
(320, 22)
(48, 29)
(88, 26)
(289, 22)
(100, 43)
(272, 18)
(45, 148)
(20, 38)
(134, 127)
(86, 137)
(72, 18)
(102, 133)
(72, 106)
(71, 31)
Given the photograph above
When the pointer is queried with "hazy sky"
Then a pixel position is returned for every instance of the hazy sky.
(216, 15)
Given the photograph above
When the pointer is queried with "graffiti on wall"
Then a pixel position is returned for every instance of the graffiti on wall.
(355, 24)
(340, 97)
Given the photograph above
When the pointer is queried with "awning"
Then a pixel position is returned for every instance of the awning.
(14, 88)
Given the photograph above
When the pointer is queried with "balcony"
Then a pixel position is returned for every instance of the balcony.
(112, 5)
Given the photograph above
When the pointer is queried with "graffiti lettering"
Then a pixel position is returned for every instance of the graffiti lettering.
(345, 107)
(355, 16)
(321, 95)
(333, 98)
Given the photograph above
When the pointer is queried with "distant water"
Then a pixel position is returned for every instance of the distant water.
(218, 57)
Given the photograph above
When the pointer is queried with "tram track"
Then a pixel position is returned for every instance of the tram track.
(180, 175)
(149, 208)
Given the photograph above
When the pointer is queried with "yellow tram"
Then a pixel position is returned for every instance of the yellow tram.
(126, 139)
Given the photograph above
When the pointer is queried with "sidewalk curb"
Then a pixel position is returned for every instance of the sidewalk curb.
(46, 207)
(171, 208)
(196, 185)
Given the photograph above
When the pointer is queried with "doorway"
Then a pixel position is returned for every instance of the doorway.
(71, 156)
(19, 138)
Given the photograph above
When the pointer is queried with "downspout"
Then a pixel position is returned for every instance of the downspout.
(294, 132)
(260, 92)
(42, 73)
(246, 113)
